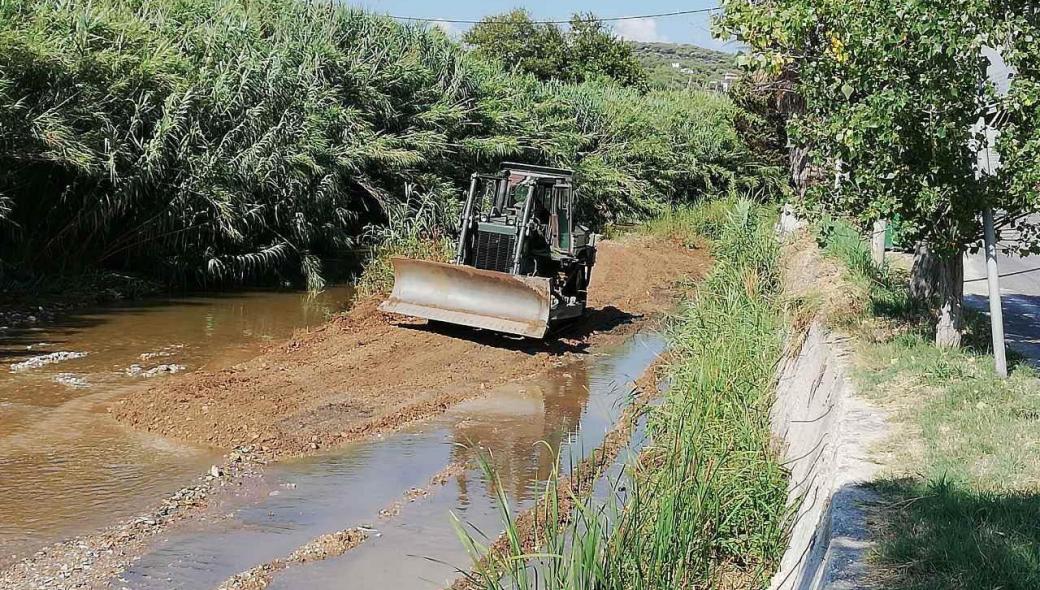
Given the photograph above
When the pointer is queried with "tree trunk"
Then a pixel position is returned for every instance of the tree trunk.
(923, 275)
(799, 166)
(939, 282)
(950, 289)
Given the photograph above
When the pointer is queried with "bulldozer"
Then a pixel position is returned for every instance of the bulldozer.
(522, 265)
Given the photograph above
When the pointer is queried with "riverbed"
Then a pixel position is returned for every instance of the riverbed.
(525, 431)
(346, 447)
(66, 467)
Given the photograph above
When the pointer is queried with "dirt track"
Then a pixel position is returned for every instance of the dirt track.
(365, 373)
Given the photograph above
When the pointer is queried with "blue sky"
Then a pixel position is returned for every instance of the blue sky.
(676, 29)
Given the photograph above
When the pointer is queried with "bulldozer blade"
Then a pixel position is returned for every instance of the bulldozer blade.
(471, 297)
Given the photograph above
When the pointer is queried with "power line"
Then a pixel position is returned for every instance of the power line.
(555, 22)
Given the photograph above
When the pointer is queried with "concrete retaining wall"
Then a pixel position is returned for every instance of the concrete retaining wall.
(827, 432)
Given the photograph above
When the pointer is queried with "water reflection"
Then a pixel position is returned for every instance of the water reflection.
(203, 331)
(524, 430)
(572, 408)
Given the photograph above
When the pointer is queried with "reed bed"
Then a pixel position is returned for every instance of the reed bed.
(224, 141)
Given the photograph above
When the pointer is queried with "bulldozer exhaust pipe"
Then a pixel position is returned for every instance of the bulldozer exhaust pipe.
(472, 297)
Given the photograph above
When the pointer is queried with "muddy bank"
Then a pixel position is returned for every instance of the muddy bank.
(366, 373)
(412, 543)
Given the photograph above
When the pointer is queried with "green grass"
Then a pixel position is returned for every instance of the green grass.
(692, 224)
(706, 502)
(887, 298)
(961, 505)
(963, 509)
(940, 536)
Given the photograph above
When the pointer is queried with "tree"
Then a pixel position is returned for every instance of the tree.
(891, 95)
(594, 51)
(1020, 145)
(586, 51)
(516, 41)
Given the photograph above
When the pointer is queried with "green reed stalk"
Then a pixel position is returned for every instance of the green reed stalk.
(705, 504)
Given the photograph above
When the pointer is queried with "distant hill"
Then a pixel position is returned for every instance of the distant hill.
(676, 65)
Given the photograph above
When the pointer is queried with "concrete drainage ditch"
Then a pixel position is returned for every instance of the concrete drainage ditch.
(827, 432)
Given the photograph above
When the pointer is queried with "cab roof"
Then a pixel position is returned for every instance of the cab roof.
(534, 170)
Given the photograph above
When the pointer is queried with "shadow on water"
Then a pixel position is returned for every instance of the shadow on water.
(18, 344)
(524, 426)
(192, 317)
(943, 535)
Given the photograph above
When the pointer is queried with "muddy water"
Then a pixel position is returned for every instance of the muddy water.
(65, 466)
(570, 409)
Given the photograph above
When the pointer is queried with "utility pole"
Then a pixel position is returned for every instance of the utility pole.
(989, 165)
(996, 309)
(1000, 75)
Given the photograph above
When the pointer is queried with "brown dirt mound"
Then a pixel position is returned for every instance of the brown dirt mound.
(366, 373)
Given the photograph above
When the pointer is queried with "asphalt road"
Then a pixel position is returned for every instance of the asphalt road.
(1020, 292)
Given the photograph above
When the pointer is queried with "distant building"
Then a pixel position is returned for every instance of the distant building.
(729, 79)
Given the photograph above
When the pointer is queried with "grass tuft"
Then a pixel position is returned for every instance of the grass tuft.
(688, 224)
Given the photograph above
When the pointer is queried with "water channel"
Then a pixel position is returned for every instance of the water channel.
(524, 429)
(66, 467)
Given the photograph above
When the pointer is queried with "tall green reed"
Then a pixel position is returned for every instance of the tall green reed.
(223, 141)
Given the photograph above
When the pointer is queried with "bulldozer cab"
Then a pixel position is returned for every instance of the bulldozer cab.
(536, 196)
(561, 201)
(521, 263)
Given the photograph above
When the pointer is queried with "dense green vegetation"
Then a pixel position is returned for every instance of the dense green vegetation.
(585, 50)
(697, 67)
(220, 141)
(961, 501)
(706, 502)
